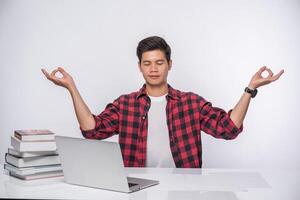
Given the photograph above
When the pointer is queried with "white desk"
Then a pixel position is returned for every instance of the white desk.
(229, 184)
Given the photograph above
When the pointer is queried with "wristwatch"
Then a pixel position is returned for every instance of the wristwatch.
(251, 91)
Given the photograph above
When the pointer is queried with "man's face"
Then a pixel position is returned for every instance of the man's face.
(154, 67)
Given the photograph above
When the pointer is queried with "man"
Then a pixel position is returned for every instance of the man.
(159, 126)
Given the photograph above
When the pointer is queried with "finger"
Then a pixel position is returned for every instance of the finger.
(277, 76)
(56, 81)
(269, 72)
(53, 73)
(45, 73)
(62, 70)
(52, 76)
(48, 76)
(261, 69)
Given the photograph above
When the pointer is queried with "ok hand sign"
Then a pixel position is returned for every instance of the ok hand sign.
(65, 81)
(258, 80)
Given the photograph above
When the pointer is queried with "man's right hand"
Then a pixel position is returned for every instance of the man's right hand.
(65, 81)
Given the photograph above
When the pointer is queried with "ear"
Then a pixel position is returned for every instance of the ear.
(170, 64)
(139, 65)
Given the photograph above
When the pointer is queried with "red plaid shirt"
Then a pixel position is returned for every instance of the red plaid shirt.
(187, 114)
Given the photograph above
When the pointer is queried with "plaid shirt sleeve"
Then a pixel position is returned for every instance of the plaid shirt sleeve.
(216, 122)
(107, 123)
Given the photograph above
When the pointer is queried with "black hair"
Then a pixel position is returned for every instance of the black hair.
(153, 43)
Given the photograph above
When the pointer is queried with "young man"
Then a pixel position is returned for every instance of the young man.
(160, 126)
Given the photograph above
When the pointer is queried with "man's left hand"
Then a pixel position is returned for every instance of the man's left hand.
(258, 80)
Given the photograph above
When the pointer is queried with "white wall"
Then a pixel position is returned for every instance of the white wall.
(217, 47)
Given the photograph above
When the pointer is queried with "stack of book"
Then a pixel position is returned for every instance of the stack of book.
(33, 155)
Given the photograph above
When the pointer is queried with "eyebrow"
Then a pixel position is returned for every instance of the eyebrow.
(160, 60)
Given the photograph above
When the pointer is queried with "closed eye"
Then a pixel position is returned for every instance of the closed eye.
(146, 63)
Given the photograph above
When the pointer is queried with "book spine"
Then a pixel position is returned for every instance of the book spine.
(17, 135)
(6, 157)
(10, 152)
(5, 166)
(14, 143)
(9, 160)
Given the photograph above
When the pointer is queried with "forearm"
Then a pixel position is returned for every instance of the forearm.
(239, 111)
(83, 113)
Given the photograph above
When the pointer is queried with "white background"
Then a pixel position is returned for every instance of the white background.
(216, 47)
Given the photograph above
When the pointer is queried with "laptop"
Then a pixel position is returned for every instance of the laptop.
(97, 164)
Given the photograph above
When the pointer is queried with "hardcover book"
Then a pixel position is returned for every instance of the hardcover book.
(38, 176)
(32, 170)
(19, 154)
(34, 135)
(31, 162)
(32, 146)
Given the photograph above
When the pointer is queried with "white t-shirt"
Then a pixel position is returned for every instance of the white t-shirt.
(158, 146)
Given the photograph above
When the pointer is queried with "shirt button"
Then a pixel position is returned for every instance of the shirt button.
(144, 117)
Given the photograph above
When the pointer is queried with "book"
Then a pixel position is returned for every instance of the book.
(32, 161)
(34, 135)
(38, 176)
(19, 154)
(32, 170)
(26, 146)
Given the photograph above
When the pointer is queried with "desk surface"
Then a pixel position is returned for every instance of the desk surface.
(208, 184)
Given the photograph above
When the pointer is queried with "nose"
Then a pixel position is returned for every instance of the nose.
(153, 68)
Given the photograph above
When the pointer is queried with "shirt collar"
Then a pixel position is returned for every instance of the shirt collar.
(172, 93)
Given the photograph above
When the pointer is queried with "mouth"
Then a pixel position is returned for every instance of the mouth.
(154, 76)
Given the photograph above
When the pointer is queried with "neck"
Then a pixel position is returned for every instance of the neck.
(157, 91)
